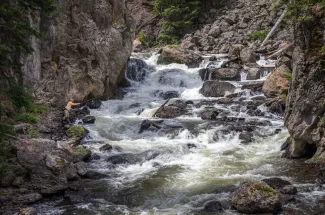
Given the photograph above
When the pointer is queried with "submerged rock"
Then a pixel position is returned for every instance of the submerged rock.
(256, 197)
(89, 119)
(170, 112)
(106, 148)
(216, 88)
(213, 206)
(137, 70)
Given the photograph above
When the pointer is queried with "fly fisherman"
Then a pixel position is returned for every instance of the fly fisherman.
(68, 108)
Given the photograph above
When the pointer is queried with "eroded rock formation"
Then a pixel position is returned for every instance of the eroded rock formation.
(83, 53)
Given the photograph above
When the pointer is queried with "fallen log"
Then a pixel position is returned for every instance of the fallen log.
(225, 63)
(274, 27)
(274, 55)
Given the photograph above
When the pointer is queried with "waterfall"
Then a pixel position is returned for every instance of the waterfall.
(243, 75)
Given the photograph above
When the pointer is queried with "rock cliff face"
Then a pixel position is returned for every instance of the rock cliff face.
(83, 53)
(305, 111)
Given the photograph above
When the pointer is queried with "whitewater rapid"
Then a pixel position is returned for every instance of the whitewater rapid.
(178, 169)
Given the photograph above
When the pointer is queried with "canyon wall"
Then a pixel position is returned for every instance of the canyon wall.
(83, 52)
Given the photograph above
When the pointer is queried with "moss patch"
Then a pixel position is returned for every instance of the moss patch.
(76, 131)
(267, 192)
(287, 75)
(258, 35)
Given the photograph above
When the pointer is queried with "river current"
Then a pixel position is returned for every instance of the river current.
(190, 161)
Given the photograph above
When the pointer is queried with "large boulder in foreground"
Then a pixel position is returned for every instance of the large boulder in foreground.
(216, 88)
(46, 163)
(175, 54)
(276, 83)
(256, 197)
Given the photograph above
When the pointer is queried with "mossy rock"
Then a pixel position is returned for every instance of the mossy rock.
(76, 131)
(81, 153)
(256, 197)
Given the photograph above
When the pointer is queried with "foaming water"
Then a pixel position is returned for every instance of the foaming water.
(189, 161)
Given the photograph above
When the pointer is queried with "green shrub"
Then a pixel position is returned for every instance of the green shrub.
(287, 75)
(27, 118)
(76, 131)
(19, 97)
(33, 133)
(6, 129)
(5, 155)
(39, 109)
(145, 40)
(258, 35)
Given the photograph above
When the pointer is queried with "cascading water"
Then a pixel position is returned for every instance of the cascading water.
(189, 161)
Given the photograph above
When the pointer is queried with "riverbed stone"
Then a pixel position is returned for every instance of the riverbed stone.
(212, 206)
(170, 112)
(256, 197)
(216, 88)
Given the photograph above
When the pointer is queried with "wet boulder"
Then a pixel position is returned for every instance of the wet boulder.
(106, 148)
(167, 95)
(89, 119)
(94, 104)
(148, 125)
(172, 77)
(216, 88)
(170, 112)
(212, 206)
(179, 104)
(81, 153)
(176, 54)
(223, 74)
(137, 70)
(256, 197)
(46, 165)
(209, 114)
(281, 185)
(228, 74)
(245, 137)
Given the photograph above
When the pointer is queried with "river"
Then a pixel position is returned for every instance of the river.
(190, 161)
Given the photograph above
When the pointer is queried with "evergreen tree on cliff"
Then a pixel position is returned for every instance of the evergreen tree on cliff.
(15, 29)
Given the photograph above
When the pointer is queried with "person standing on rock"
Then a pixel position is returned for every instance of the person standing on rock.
(68, 108)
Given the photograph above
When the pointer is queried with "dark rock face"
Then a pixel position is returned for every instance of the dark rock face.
(137, 70)
(256, 197)
(216, 88)
(90, 62)
(305, 108)
(89, 119)
(94, 104)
